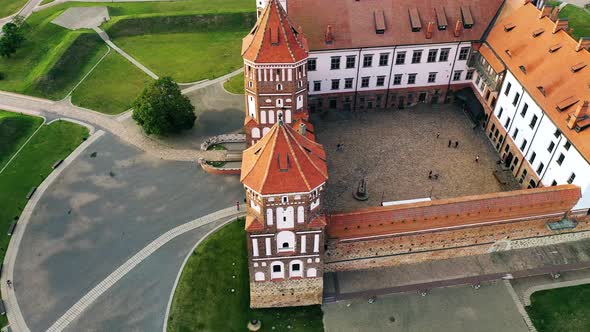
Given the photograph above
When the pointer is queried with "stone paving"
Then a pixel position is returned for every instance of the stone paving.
(82, 18)
(458, 309)
(98, 214)
(395, 150)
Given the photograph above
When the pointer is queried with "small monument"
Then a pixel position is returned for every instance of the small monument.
(361, 193)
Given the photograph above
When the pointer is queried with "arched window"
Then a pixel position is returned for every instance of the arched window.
(255, 133)
(262, 117)
(279, 87)
(259, 276)
(269, 217)
(288, 116)
(279, 102)
(265, 131)
(312, 273)
(300, 214)
(271, 116)
(296, 268)
(277, 270)
(285, 217)
(299, 102)
(285, 241)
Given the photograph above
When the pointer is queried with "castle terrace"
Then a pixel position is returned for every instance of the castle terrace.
(395, 150)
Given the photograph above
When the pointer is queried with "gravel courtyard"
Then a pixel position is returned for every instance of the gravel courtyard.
(395, 150)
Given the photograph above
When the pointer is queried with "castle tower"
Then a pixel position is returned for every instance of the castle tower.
(284, 175)
(275, 72)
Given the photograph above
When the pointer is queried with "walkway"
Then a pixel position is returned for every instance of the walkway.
(104, 217)
(25, 12)
(64, 109)
(129, 58)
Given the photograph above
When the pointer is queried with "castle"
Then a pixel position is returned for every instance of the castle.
(305, 55)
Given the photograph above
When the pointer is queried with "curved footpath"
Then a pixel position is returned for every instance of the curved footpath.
(15, 317)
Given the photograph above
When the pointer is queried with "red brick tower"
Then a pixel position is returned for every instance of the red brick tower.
(275, 72)
(284, 175)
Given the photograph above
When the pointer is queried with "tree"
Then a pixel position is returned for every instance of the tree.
(161, 109)
(12, 38)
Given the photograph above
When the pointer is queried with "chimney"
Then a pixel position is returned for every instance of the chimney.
(458, 27)
(302, 129)
(578, 115)
(429, 30)
(560, 24)
(329, 34)
(554, 14)
(545, 11)
(584, 43)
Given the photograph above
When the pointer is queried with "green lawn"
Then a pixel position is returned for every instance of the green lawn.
(186, 47)
(579, 20)
(112, 86)
(10, 7)
(561, 309)
(235, 84)
(29, 168)
(15, 129)
(203, 300)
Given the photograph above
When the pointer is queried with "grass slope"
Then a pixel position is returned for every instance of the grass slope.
(9, 7)
(579, 20)
(112, 86)
(31, 166)
(203, 300)
(15, 129)
(235, 84)
(561, 309)
(187, 47)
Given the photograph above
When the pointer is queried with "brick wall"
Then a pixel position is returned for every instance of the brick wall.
(414, 248)
(286, 293)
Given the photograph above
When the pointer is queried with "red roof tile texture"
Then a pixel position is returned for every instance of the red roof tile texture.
(491, 58)
(274, 39)
(552, 71)
(284, 161)
(354, 25)
(454, 212)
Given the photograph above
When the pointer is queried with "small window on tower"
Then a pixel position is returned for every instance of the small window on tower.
(276, 268)
(285, 245)
(279, 87)
(285, 199)
(296, 267)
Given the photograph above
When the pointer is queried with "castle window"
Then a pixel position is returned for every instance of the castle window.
(279, 102)
(279, 87)
(295, 268)
(368, 60)
(285, 199)
(311, 65)
(276, 268)
(317, 85)
(350, 61)
(335, 63)
(444, 54)
(259, 276)
(463, 53)
(571, 178)
(400, 58)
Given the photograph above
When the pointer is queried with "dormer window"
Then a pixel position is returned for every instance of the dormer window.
(379, 16)
(509, 27)
(466, 17)
(415, 20)
(441, 18)
(538, 32)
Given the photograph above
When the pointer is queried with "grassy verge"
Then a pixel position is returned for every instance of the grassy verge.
(579, 20)
(10, 7)
(561, 309)
(29, 168)
(15, 129)
(204, 301)
(189, 47)
(112, 86)
(235, 84)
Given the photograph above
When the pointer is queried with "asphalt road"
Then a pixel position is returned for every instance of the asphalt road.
(102, 210)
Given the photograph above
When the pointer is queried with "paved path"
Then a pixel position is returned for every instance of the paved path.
(25, 12)
(105, 208)
(25, 104)
(225, 214)
(15, 316)
(136, 63)
(520, 307)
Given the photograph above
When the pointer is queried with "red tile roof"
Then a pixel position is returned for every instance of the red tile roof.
(353, 22)
(253, 224)
(274, 39)
(454, 212)
(284, 161)
(491, 58)
(552, 71)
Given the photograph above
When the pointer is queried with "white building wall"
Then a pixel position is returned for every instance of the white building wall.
(539, 138)
(444, 69)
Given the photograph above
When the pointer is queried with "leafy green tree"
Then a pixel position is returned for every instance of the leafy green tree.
(12, 38)
(161, 109)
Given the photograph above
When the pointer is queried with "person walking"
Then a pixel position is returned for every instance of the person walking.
(238, 205)
(430, 175)
(456, 144)
(9, 283)
(437, 135)
(477, 159)
(450, 142)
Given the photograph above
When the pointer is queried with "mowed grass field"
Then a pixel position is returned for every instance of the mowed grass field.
(9, 7)
(579, 20)
(561, 309)
(112, 86)
(203, 300)
(15, 129)
(235, 84)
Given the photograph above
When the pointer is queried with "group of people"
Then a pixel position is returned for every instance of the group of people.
(450, 141)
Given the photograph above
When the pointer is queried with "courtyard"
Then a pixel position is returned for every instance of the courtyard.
(394, 151)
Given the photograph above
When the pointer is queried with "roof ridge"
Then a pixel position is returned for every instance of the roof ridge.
(265, 143)
(263, 17)
(307, 155)
(296, 160)
(279, 8)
